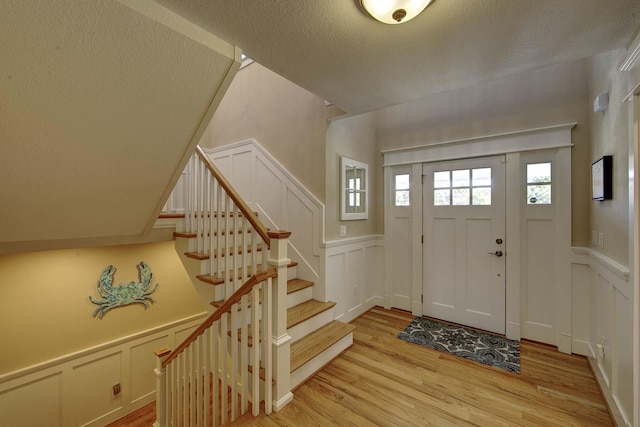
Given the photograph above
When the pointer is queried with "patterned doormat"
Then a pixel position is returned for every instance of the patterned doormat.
(463, 342)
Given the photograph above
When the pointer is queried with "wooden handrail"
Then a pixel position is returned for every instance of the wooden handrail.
(233, 194)
(224, 308)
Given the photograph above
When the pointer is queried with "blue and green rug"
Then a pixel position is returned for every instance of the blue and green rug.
(464, 342)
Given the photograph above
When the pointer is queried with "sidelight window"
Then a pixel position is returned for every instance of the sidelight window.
(539, 183)
(402, 189)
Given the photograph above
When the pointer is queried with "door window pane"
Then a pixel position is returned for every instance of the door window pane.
(442, 179)
(402, 189)
(539, 194)
(402, 181)
(460, 196)
(402, 198)
(538, 172)
(442, 197)
(461, 178)
(481, 177)
(481, 196)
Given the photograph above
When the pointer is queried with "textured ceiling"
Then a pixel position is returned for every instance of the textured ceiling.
(334, 50)
(101, 105)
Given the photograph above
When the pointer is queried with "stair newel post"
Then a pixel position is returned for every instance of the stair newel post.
(281, 345)
(161, 386)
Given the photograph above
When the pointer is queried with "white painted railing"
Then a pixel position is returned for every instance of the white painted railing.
(225, 228)
(214, 374)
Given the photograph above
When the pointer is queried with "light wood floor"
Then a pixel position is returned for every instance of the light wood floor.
(384, 381)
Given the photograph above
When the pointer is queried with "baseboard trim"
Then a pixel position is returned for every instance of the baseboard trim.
(284, 401)
(582, 348)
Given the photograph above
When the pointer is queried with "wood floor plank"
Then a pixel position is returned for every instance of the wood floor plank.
(384, 381)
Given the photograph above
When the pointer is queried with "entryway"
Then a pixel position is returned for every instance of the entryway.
(431, 237)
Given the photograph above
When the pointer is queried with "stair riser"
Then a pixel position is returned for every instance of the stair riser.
(314, 365)
(299, 297)
(304, 328)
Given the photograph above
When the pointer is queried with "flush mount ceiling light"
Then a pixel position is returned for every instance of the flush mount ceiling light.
(394, 11)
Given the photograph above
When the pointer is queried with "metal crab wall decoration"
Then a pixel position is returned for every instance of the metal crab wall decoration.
(124, 293)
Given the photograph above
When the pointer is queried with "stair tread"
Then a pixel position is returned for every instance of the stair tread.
(301, 312)
(293, 285)
(308, 347)
(219, 280)
(295, 316)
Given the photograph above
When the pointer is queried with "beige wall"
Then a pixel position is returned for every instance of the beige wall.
(353, 137)
(45, 311)
(543, 97)
(610, 136)
(284, 118)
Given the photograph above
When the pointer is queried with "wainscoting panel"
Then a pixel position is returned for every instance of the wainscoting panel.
(241, 177)
(20, 402)
(401, 263)
(270, 203)
(602, 326)
(355, 274)
(583, 304)
(623, 354)
(92, 388)
(606, 319)
(141, 364)
(300, 217)
(539, 281)
(76, 389)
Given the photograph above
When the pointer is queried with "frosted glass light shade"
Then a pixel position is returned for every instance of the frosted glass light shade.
(394, 11)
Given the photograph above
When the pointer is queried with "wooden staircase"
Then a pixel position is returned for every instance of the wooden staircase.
(315, 336)
(230, 256)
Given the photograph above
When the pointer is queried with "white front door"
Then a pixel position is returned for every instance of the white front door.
(464, 242)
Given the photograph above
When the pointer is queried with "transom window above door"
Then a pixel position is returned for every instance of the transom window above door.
(462, 187)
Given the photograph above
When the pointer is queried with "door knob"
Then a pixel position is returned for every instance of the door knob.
(496, 253)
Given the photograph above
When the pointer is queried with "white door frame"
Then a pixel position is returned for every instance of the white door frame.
(511, 144)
